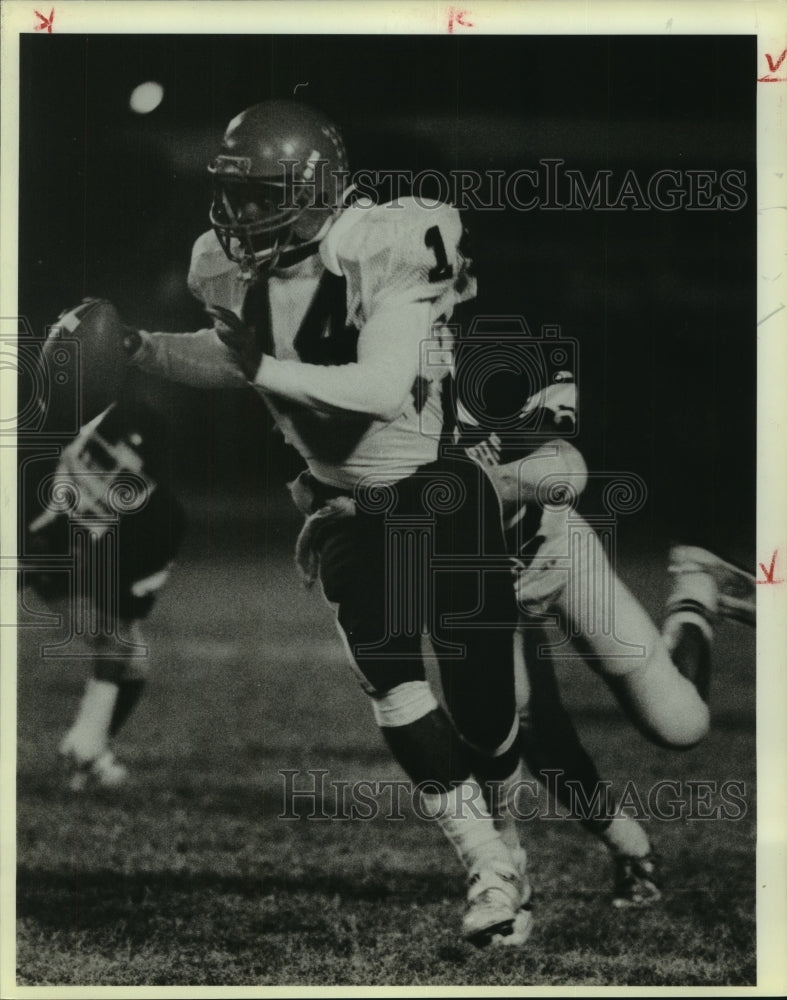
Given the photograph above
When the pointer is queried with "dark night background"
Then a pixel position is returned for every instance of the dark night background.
(662, 303)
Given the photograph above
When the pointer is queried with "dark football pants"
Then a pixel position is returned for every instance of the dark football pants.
(427, 553)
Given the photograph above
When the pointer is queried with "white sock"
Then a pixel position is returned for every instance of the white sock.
(463, 817)
(624, 835)
(89, 734)
(504, 808)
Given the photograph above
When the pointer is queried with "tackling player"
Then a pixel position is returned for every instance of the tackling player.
(563, 570)
(111, 515)
(322, 303)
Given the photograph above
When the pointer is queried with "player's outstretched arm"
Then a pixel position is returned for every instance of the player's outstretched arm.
(199, 359)
(219, 356)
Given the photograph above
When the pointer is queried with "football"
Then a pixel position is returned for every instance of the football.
(85, 364)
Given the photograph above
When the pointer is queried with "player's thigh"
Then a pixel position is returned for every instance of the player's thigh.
(619, 640)
(355, 578)
(475, 616)
(601, 613)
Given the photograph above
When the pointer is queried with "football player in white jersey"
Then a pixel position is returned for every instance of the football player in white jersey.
(333, 310)
(660, 678)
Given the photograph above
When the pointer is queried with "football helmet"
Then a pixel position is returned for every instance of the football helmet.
(278, 182)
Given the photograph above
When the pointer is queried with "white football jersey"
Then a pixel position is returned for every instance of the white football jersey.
(392, 256)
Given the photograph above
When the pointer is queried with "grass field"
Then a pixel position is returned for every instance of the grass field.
(188, 877)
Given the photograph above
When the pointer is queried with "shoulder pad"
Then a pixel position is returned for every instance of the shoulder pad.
(401, 252)
(208, 262)
(338, 233)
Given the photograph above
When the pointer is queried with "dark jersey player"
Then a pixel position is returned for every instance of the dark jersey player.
(108, 515)
(564, 571)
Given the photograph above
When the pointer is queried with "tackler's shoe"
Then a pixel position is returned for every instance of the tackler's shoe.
(637, 881)
(703, 582)
(99, 771)
(498, 906)
(108, 772)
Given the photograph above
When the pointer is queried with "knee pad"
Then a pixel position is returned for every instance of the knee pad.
(533, 478)
(403, 704)
(554, 468)
(556, 463)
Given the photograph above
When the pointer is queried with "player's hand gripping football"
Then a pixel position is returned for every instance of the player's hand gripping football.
(98, 320)
(239, 337)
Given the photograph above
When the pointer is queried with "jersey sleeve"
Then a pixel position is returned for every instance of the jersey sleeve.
(398, 254)
(199, 359)
(212, 278)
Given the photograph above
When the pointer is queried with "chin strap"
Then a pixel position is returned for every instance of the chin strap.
(289, 256)
(295, 255)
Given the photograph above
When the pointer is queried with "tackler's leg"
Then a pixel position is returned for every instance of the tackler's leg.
(545, 546)
(119, 669)
(111, 692)
(555, 755)
(704, 587)
(620, 641)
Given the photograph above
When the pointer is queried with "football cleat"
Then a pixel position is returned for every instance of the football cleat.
(498, 907)
(107, 772)
(704, 583)
(636, 881)
(102, 771)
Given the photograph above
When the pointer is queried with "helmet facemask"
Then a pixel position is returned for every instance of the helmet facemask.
(253, 220)
(278, 183)
(258, 220)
